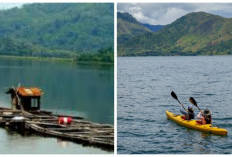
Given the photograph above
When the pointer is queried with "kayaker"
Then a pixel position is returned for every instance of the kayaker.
(189, 114)
(205, 116)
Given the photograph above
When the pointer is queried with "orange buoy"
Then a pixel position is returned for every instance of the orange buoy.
(65, 120)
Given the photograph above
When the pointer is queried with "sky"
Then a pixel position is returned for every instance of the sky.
(161, 13)
(166, 13)
(4, 6)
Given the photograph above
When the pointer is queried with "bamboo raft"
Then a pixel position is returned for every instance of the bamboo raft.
(25, 115)
(46, 123)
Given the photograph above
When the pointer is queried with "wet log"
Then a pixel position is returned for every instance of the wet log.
(80, 131)
(78, 138)
(73, 117)
(44, 124)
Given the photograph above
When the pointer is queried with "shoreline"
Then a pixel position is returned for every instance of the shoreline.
(54, 59)
(178, 56)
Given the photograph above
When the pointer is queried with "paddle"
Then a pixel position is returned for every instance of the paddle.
(175, 97)
(192, 100)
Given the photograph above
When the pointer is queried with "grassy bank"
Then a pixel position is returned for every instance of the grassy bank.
(55, 59)
(36, 58)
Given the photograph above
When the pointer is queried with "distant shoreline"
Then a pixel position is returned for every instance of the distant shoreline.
(53, 59)
(172, 55)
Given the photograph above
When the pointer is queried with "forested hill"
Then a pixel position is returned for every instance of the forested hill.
(57, 29)
(197, 33)
(128, 27)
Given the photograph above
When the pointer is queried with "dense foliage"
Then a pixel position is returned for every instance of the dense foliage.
(103, 55)
(16, 48)
(128, 27)
(193, 34)
(56, 30)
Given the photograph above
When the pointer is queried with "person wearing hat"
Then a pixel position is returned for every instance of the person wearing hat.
(205, 116)
(189, 114)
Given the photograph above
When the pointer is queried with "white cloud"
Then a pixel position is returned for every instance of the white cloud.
(4, 6)
(172, 14)
(165, 13)
(135, 9)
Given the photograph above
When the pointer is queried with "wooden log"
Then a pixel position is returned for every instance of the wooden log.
(74, 137)
(73, 117)
(94, 124)
(46, 124)
(104, 136)
(11, 121)
(68, 129)
(78, 131)
(45, 120)
(39, 112)
(39, 116)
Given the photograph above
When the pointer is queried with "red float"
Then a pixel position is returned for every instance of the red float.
(65, 120)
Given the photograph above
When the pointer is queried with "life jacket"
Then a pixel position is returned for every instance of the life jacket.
(208, 120)
(191, 114)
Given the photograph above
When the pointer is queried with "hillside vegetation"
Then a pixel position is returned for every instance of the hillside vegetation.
(197, 33)
(128, 27)
(57, 30)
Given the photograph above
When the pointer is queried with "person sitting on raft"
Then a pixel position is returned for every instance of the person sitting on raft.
(189, 114)
(205, 116)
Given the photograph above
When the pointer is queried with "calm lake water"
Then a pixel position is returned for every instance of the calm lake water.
(69, 88)
(144, 87)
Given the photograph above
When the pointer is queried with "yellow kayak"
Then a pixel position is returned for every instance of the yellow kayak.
(195, 124)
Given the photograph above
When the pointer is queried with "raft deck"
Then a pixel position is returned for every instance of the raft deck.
(46, 123)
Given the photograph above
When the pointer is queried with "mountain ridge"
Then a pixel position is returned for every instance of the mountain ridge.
(153, 28)
(128, 27)
(56, 29)
(197, 33)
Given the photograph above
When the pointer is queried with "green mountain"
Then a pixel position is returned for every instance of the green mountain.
(57, 29)
(128, 27)
(196, 33)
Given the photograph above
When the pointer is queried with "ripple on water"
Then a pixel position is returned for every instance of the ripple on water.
(208, 94)
(223, 119)
(142, 123)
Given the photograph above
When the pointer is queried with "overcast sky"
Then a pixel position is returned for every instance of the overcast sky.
(166, 13)
(9, 5)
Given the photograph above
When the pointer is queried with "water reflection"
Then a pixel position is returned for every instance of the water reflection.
(69, 88)
(62, 143)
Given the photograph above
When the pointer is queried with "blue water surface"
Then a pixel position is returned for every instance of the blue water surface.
(144, 87)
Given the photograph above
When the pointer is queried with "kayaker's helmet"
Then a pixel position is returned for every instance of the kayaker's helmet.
(190, 107)
(207, 112)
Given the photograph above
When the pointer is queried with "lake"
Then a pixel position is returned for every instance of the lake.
(144, 87)
(85, 90)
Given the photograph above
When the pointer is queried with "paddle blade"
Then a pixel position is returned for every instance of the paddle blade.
(192, 100)
(174, 95)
